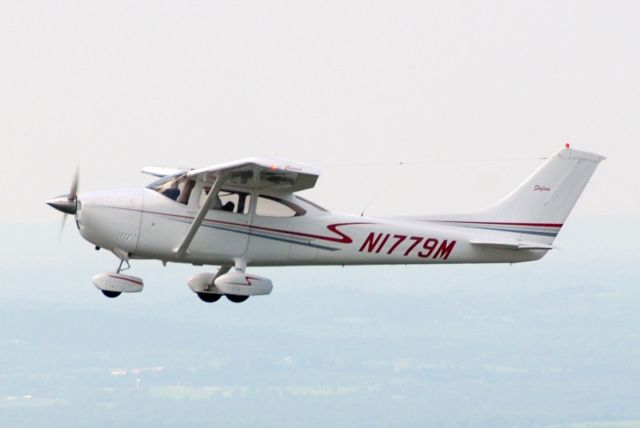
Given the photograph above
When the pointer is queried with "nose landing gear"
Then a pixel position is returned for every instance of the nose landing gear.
(111, 294)
(112, 284)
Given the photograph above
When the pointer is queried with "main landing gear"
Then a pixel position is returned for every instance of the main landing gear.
(230, 281)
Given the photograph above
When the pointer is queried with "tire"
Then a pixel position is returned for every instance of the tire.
(235, 298)
(111, 294)
(209, 297)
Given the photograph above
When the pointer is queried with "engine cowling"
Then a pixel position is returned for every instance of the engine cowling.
(117, 282)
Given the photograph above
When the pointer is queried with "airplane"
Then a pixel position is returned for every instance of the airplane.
(248, 213)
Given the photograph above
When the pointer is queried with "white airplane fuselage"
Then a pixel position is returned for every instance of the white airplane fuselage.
(148, 225)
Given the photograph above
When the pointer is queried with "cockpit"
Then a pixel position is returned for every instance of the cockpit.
(175, 187)
(183, 190)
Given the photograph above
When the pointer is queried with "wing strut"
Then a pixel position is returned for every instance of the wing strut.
(197, 221)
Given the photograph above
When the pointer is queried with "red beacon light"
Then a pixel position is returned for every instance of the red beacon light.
(567, 145)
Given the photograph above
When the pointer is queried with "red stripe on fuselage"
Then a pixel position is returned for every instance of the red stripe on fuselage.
(342, 239)
(497, 223)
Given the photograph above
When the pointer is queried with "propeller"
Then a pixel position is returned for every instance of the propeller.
(68, 203)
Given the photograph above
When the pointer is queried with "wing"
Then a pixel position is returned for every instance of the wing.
(161, 171)
(270, 174)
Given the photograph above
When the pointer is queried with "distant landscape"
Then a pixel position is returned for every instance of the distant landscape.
(553, 343)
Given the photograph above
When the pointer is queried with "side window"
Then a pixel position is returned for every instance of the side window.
(268, 206)
(230, 201)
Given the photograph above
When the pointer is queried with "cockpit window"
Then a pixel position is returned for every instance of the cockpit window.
(177, 188)
(269, 206)
(230, 201)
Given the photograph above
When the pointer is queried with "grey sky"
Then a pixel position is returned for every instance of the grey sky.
(114, 86)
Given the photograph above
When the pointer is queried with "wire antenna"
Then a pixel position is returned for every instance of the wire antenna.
(403, 163)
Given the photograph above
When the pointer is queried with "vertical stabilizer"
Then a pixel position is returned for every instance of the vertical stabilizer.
(536, 209)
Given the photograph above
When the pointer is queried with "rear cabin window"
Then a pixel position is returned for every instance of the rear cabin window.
(269, 206)
(313, 204)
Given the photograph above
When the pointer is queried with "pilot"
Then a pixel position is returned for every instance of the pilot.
(229, 206)
(171, 193)
(186, 192)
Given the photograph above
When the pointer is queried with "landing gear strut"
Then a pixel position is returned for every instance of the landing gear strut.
(120, 269)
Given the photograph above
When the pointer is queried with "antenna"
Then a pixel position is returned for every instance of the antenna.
(369, 203)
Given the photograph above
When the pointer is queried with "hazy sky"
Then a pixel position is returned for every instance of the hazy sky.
(114, 86)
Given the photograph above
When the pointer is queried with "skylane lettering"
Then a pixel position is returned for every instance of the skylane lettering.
(386, 243)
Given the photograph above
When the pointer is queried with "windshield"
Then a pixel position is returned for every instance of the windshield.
(176, 187)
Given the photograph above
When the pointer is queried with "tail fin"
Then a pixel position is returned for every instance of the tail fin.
(536, 210)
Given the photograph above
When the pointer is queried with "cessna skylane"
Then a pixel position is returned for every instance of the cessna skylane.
(247, 213)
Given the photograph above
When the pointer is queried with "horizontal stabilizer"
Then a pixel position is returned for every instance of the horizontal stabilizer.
(505, 245)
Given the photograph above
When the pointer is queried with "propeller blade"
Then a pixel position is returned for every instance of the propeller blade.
(68, 204)
(73, 193)
(62, 224)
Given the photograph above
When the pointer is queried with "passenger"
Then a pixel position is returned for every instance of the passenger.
(229, 206)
